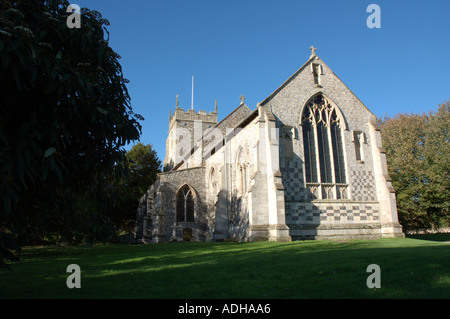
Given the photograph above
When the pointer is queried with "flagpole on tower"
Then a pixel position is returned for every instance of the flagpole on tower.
(192, 98)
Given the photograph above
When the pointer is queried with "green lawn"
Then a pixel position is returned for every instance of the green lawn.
(410, 268)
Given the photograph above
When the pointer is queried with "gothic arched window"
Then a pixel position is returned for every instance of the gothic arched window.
(185, 205)
(323, 148)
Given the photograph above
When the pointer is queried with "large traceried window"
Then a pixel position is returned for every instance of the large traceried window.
(185, 205)
(323, 148)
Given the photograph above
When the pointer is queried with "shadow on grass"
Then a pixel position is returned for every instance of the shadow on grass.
(313, 269)
(433, 237)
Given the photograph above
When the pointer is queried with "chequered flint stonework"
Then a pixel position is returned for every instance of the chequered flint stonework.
(363, 185)
(293, 181)
(312, 213)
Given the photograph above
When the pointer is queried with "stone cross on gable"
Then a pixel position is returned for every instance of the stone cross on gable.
(313, 50)
(242, 99)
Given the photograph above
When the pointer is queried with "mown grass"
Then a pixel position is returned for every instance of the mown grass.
(410, 268)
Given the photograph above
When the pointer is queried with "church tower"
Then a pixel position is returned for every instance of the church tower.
(186, 129)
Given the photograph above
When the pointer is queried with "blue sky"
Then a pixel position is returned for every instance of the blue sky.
(251, 47)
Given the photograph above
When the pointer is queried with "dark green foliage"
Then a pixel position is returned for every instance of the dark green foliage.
(9, 249)
(143, 165)
(65, 116)
(418, 152)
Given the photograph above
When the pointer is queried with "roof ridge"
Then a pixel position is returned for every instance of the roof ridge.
(288, 80)
(229, 114)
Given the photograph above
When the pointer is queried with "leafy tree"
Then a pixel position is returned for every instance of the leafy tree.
(437, 163)
(143, 166)
(65, 116)
(418, 152)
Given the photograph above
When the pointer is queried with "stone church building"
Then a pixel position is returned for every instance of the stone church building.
(307, 163)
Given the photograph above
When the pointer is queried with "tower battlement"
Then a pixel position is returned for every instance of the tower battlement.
(185, 128)
(192, 115)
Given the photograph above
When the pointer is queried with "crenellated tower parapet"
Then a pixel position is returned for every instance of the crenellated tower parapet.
(180, 115)
(185, 129)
